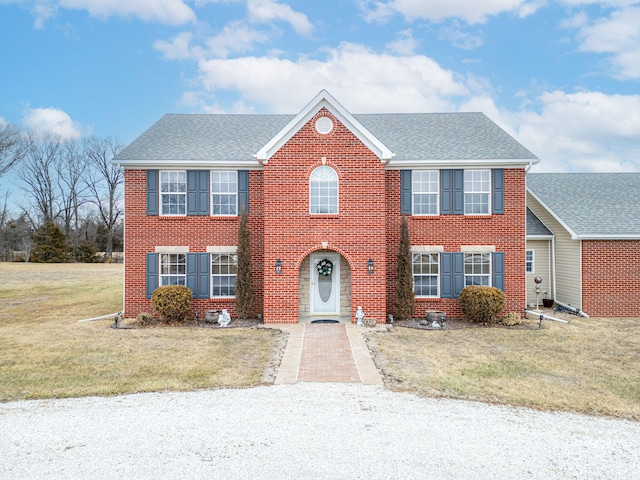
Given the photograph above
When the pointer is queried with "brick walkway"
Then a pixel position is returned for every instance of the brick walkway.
(326, 353)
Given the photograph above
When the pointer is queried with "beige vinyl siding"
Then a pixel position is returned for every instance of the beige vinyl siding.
(542, 267)
(567, 254)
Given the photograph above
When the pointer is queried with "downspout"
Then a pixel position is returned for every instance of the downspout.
(553, 265)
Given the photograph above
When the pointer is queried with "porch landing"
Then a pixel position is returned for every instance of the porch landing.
(326, 353)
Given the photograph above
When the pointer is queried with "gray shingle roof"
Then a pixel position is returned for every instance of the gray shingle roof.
(535, 227)
(592, 205)
(411, 136)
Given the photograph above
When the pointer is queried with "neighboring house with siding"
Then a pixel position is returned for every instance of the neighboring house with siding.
(594, 222)
(325, 191)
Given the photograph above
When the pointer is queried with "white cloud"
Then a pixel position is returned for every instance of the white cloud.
(235, 38)
(265, 11)
(470, 11)
(178, 48)
(171, 12)
(460, 38)
(617, 35)
(582, 132)
(404, 44)
(52, 121)
(365, 81)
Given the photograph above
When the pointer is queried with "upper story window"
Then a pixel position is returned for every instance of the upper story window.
(477, 269)
(529, 261)
(323, 190)
(224, 193)
(425, 187)
(173, 269)
(173, 193)
(477, 190)
(426, 278)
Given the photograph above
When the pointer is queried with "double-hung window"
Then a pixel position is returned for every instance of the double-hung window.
(477, 269)
(529, 261)
(224, 193)
(323, 190)
(173, 192)
(425, 186)
(173, 269)
(224, 268)
(426, 274)
(477, 191)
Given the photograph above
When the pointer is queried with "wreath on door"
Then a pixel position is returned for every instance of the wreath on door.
(325, 267)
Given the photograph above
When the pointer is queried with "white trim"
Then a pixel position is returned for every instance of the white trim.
(478, 248)
(427, 249)
(540, 237)
(471, 164)
(533, 261)
(436, 193)
(222, 249)
(323, 99)
(171, 249)
(167, 164)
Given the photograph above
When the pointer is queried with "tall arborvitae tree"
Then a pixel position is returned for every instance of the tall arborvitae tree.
(244, 280)
(50, 245)
(405, 297)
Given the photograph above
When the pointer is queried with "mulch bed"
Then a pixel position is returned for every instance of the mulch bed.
(189, 323)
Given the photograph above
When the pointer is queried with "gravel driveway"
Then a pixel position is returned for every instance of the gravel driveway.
(307, 431)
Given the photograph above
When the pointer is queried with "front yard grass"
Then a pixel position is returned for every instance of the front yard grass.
(45, 353)
(588, 366)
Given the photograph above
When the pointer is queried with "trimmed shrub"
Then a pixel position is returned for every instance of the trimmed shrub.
(144, 318)
(481, 304)
(172, 302)
(511, 319)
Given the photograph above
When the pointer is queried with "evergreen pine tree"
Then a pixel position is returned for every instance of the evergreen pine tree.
(50, 245)
(244, 280)
(405, 297)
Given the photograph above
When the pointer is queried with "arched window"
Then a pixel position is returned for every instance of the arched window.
(323, 190)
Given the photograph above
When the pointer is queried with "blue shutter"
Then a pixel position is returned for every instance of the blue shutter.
(197, 192)
(204, 264)
(152, 273)
(458, 273)
(152, 192)
(192, 192)
(446, 275)
(192, 267)
(203, 192)
(446, 192)
(498, 270)
(405, 192)
(243, 191)
(458, 192)
(497, 191)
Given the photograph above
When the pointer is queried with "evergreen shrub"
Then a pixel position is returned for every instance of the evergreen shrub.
(481, 304)
(172, 302)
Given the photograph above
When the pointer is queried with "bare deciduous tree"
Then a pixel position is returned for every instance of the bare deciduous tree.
(104, 182)
(13, 147)
(37, 172)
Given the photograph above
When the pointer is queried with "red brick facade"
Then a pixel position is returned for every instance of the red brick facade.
(366, 227)
(611, 278)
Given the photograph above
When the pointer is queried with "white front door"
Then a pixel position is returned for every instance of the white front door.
(325, 284)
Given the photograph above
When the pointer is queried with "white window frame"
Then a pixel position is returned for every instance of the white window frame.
(414, 256)
(474, 186)
(327, 204)
(173, 269)
(223, 188)
(468, 277)
(530, 265)
(231, 274)
(418, 184)
(171, 179)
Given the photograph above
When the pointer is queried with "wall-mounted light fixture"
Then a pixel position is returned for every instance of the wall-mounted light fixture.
(278, 267)
(370, 268)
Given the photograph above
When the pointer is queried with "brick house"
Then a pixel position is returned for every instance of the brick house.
(586, 244)
(325, 192)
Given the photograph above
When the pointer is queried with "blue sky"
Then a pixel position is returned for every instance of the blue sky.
(562, 76)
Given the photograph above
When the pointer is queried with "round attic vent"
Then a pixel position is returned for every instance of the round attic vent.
(324, 125)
